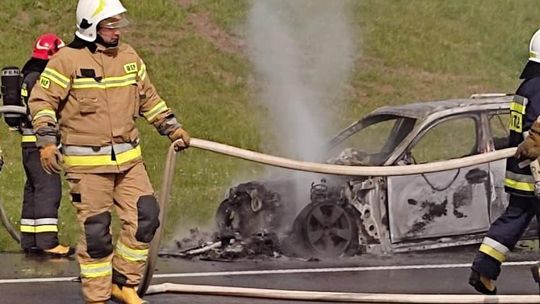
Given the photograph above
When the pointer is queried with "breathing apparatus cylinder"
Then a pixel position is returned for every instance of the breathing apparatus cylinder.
(10, 78)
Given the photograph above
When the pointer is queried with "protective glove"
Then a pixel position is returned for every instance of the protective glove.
(51, 159)
(179, 134)
(530, 147)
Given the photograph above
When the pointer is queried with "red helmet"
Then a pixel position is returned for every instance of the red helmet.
(46, 45)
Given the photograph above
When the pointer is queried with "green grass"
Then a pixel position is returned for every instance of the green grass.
(408, 51)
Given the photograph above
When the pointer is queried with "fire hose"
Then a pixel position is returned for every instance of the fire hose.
(3, 215)
(145, 288)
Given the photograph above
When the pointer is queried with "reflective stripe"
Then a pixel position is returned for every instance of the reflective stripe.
(102, 160)
(96, 270)
(142, 72)
(56, 77)
(27, 131)
(517, 107)
(523, 186)
(519, 177)
(492, 252)
(152, 113)
(41, 221)
(45, 112)
(495, 245)
(24, 92)
(39, 229)
(28, 138)
(105, 83)
(130, 254)
(105, 150)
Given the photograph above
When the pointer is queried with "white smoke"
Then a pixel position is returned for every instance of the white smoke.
(303, 53)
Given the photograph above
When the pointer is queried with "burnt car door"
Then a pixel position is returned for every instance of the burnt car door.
(498, 130)
(445, 203)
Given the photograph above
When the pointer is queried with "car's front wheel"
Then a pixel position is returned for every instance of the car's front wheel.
(328, 229)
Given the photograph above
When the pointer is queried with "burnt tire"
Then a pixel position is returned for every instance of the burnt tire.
(327, 229)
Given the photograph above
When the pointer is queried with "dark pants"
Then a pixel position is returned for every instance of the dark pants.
(42, 195)
(507, 230)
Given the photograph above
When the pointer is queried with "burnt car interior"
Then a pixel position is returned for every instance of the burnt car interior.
(371, 141)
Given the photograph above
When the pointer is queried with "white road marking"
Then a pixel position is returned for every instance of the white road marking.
(273, 271)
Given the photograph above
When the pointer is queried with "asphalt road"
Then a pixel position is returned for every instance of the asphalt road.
(24, 280)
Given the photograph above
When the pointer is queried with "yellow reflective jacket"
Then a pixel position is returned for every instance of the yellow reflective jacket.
(94, 97)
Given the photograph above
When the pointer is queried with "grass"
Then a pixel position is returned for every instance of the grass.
(409, 51)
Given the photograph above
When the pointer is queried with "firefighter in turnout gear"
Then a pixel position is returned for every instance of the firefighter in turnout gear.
(89, 95)
(42, 191)
(519, 182)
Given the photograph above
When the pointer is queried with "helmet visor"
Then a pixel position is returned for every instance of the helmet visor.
(115, 22)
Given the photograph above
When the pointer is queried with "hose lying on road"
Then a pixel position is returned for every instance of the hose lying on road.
(337, 296)
(145, 288)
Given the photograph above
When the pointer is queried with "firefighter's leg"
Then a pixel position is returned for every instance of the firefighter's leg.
(28, 231)
(47, 195)
(92, 196)
(500, 239)
(138, 211)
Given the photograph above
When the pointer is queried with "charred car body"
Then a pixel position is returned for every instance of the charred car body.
(345, 215)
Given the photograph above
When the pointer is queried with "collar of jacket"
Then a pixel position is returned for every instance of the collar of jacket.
(531, 70)
(34, 65)
(78, 43)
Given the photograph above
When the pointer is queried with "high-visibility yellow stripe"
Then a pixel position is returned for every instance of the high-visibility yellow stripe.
(39, 229)
(56, 77)
(105, 83)
(517, 107)
(523, 186)
(24, 92)
(28, 138)
(104, 80)
(492, 252)
(28, 229)
(130, 254)
(45, 112)
(102, 160)
(96, 270)
(142, 72)
(152, 113)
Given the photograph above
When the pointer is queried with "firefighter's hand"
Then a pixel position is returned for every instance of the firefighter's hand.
(180, 134)
(530, 147)
(50, 159)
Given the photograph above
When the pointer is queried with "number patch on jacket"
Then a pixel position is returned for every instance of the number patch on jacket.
(516, 122)
(130, 68)
(44, 82)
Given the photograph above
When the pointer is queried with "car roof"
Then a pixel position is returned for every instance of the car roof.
(421, 110)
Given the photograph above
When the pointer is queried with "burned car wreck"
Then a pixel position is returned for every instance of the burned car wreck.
(330, 215)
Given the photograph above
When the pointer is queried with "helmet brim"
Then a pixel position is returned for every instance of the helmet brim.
(114, 24)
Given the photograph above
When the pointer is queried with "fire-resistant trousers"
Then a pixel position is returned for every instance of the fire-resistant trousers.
(93, 196)
(504, 233)
(42, 195)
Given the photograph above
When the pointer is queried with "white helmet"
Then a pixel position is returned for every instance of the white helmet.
(534, 47)
(91, 12)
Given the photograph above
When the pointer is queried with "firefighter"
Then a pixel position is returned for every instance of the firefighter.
(89, 95)
(519, 183)
(42, 191)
